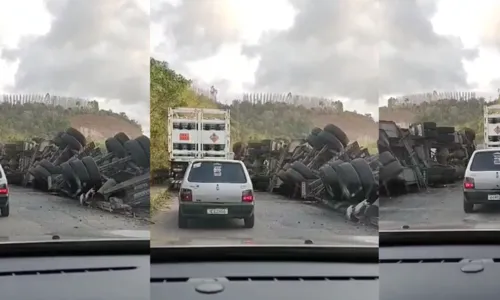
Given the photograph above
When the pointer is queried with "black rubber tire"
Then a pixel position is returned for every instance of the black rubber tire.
(92, 169)
(138, 155)
(80, 170)
(77, 135)
(249, 222)
(338, 133)
(315, 142)
(50, 166)
(71, 142)
(365, 174)
(282, 175)
(330, 180)
(303, 170)
(122, 137)
(63, 157)
(468, 207)
(114, 146)
(316, 130)
(68, 172)
(295, 176)
(5, 211)
(145, 144)
(390, 171)
(57, 140)
(41, 173)
(349, 177)
(386, 158)
(182, 222)
(331, 141)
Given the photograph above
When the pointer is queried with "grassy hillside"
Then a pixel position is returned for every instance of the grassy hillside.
(248, 121)
(19, 122)
(448, 112)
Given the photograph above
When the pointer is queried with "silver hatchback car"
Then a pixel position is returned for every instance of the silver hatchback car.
(216, 188)
(482, 179)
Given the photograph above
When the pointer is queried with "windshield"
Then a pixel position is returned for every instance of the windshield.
(74, 101)
(217, 172)
(306, 135)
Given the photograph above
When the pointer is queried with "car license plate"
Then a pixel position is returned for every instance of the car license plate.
(217, 211)
(493, 197)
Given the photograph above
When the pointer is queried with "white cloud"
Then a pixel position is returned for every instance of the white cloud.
(90, 49)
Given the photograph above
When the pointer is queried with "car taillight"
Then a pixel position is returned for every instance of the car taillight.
(468, 183)
(4, 190)
(186, 195)
(247, 196)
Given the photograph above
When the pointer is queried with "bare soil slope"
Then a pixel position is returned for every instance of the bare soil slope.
(357, 127)
(100, 127)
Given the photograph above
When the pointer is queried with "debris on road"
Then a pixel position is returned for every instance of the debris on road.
(324, 168)
(421, 156)
(115, 179)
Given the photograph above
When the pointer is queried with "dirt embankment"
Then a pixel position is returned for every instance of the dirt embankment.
(99, 128)
(402, 117)
(357, 127)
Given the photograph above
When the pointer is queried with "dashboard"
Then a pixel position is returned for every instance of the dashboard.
(259, 278)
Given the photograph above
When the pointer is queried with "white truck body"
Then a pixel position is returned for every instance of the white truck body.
(491, 126)
(200, 139)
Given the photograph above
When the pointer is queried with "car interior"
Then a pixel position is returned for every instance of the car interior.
(264, 272)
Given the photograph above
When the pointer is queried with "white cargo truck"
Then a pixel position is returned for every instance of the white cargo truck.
(194, 133)
(491, 126)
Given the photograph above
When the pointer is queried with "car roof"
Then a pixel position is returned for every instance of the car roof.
(488, 150)
(216, 160)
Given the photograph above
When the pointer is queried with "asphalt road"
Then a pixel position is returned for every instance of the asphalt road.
(35, 215)
(277, 220)
(440, 208)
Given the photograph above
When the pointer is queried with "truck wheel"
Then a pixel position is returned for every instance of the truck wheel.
(122, 137)
(249, 221)
(114, 146)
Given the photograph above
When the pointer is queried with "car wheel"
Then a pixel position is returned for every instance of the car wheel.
(468, 207)
(249, 221)
(5, 211)
(182, 221)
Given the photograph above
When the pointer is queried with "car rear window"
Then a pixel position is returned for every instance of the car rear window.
(217, 172)
(486, 161)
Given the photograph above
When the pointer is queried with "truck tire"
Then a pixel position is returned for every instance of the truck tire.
(145, 144)
(330, 141)
(121, 137)
(71, 142)
(50, 166)
(80, 170)
(303, 170)
(115, 147)
(282, 175)
(68, 173)
(390, 171)
(57, 140)
(77, 135)
(314, 141)
(138, 155)
(365, 174)
(386, 158)
(338, 133)
(295, 176)
(92, 169)
(41, 173)
(316, 130)
(348, 177)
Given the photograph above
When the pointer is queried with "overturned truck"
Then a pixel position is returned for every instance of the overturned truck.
(115, 178)
(422, 155)
(324, 167)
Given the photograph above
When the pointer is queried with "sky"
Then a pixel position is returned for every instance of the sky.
(359, 51)
(95, 49)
